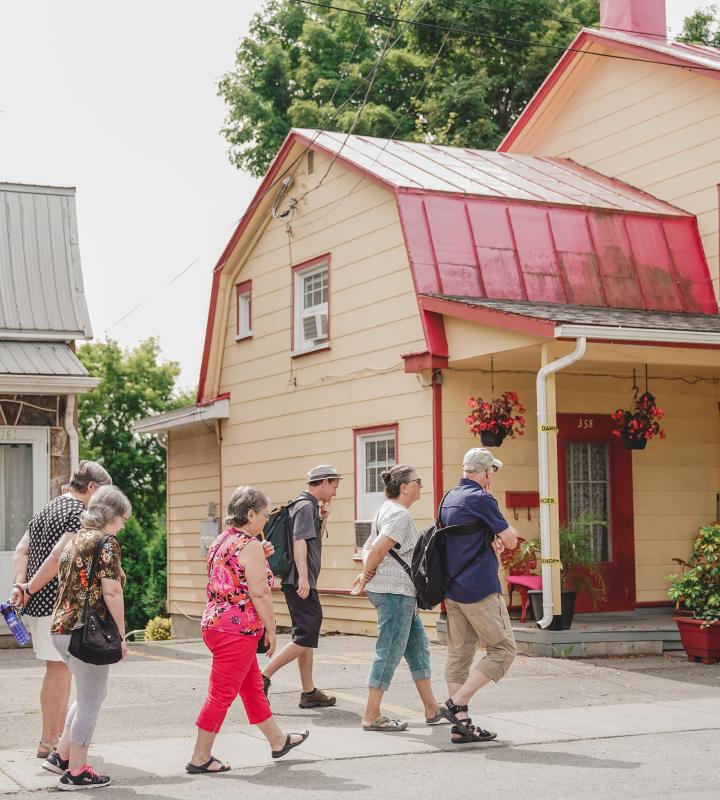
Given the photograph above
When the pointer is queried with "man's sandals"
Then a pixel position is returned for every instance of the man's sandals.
(463, 731)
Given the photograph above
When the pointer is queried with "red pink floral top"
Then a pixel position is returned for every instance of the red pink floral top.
(229, 607)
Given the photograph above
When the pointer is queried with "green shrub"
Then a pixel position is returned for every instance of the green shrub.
(698, 587)
(157, 629)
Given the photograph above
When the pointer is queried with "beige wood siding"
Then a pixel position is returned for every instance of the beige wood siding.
(655, 127)
(289, 414)
(675, 480)
(193, 482)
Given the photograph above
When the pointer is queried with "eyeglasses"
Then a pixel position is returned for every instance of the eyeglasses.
(124, 519)
(416, 480)
(265, 513)
(494, 468)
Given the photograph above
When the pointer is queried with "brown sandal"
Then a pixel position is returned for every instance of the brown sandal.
(45, 748)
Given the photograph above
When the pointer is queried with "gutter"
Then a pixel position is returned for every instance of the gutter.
(178, 418)
(619, 334)
(72, 433)
(544, 473)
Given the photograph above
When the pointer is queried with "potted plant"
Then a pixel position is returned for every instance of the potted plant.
(698, 588)
(580, 570)
(497, 419)
(636, 427)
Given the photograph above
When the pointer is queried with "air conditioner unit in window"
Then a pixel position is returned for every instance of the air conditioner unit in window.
(315, 327)
(362, 532)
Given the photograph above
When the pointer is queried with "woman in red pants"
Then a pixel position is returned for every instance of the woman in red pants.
(239, 613)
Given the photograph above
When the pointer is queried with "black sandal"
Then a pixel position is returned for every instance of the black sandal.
(450, 711)
(289, 744)
(194, 769)
(470, 733)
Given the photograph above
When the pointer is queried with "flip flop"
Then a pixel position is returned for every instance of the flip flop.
(194, 769)
(289, 744)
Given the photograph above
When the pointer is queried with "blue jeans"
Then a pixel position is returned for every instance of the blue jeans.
(400, 634)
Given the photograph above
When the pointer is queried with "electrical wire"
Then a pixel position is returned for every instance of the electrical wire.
(690, 380)
(509, 39)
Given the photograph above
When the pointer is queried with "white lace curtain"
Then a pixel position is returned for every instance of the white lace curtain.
(16, 493)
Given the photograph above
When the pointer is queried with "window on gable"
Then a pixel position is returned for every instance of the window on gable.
(311, 312)
(244, 310)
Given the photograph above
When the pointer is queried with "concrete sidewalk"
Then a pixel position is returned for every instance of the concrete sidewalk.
(128, 762)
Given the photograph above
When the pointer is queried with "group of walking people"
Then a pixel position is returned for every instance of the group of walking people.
(53, 578)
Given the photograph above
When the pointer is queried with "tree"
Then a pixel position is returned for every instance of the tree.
(305, 66)
(703, 26)
(133, 384)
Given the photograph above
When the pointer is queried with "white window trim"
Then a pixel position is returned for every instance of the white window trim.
(364, 498)
(39, 438)
(298, 311)
(244, 315)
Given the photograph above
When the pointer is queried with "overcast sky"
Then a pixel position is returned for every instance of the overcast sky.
(119, 100)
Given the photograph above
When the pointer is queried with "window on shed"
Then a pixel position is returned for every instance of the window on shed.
(311, 312)
(244, 310)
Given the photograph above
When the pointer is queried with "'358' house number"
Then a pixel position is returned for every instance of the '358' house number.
(585, 424)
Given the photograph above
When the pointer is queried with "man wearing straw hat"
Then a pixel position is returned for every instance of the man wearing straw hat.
(308, 517)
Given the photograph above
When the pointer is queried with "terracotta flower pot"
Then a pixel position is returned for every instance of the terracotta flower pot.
(701, 644)
(492, 438)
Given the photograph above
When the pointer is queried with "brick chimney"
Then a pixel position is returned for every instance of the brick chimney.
(645, 17)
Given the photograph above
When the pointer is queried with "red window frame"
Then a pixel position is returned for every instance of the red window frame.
(243, 288)
(369, 431)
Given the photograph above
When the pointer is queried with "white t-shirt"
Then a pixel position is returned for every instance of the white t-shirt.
(394, 521)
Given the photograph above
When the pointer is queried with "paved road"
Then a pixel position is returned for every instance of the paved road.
(567, 729)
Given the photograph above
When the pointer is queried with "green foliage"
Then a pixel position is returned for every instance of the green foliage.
(304, 66)
(157, 629)
(703, 26)
(581, 569)
(698, 587)
(133, 384)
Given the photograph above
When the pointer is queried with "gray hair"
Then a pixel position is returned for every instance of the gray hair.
(104, 506)
(394, 477)
(89, 472)
(244, 500)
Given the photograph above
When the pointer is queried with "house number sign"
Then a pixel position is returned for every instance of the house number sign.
(8, 435)
(584, 423)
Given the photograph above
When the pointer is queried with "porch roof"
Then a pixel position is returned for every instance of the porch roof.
(562, 321)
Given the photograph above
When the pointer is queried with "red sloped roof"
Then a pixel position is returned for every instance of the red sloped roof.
(540, 252)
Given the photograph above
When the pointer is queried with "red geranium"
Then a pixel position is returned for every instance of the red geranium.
(504, 414)
(643, 422)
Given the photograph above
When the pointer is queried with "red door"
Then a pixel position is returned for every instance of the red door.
(595, 475)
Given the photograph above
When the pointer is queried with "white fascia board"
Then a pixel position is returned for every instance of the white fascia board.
(181, 417)
(45, 336)
(605, 333)
(47, 384)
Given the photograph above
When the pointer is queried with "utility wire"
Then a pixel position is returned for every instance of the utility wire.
(508, 39)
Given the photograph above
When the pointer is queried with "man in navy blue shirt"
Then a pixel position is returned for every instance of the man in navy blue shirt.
(476, 612)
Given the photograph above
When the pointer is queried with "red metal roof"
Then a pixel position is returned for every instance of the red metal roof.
(512, 250)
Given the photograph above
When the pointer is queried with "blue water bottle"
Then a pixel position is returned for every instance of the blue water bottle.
(18, 630)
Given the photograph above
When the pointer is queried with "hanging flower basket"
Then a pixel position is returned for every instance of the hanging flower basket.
(496, 420)
(635, 428)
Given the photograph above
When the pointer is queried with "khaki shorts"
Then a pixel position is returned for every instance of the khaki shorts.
(484, 623)
(39, 629)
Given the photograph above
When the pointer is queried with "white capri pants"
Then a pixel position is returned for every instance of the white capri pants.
(91, 684)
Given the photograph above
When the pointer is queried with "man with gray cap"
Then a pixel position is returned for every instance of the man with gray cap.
(476, 612)
(308, 517)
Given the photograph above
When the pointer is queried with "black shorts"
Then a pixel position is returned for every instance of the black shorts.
(306, 616)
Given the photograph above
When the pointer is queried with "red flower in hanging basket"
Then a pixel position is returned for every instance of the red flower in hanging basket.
(503, 415)
(642, 423)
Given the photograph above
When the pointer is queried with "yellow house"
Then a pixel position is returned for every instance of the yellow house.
(373, 286)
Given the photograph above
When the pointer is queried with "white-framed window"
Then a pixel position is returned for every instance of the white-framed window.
(311, 312)
(375, 451)
(244, 310)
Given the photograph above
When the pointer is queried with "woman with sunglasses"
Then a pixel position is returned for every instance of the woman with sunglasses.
(238, 618)
(401, 633)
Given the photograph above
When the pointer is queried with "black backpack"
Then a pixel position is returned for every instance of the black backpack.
(428, 569)
(278, 531)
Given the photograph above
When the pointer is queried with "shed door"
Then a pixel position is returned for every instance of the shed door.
(595, 475)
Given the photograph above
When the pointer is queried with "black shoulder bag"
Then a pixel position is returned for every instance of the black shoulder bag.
(96, 640)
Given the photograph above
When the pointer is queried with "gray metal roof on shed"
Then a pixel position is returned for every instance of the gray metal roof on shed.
(597, 315)
(41, 286)
(39, 358)
(486, 173)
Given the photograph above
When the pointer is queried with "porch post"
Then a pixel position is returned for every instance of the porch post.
(553, 483)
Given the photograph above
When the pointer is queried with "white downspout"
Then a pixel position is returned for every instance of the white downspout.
(72, 433)
(544, 472)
